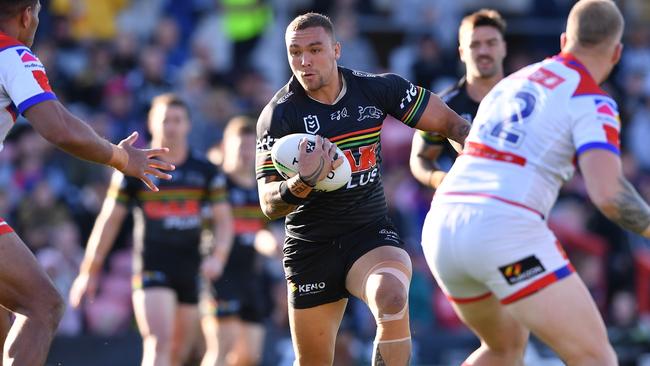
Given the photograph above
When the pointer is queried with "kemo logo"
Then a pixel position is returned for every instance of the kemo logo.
(311, 124)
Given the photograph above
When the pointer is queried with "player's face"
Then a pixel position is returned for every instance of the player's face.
(240, 150)
(482, 49)
(170, 124)
(312, 55)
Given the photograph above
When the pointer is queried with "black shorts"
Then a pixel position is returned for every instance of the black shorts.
(316, 271)
(179, 273)
(243, 289)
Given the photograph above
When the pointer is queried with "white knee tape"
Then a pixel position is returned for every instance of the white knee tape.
(403, 278)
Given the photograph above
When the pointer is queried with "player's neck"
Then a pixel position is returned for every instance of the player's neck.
(241, 178)
(592, 61)
(328, 94)
(477, 88)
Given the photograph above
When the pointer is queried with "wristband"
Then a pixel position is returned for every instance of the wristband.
(288, 196)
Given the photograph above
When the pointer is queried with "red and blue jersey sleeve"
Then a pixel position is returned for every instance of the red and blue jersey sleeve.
(22, 75)
(597, 124)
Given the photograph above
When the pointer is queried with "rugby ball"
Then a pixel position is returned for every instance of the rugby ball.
(285, 154)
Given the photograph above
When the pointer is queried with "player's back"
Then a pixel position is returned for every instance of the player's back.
(527, 133)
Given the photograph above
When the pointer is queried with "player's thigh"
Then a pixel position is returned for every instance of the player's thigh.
(564, 316)
(155, 312)
(380, 257)
(186, 326)
(491, 322)
(250, 343)
(24, 285)
(314, 330)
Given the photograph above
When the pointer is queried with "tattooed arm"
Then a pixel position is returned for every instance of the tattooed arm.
(273, 205)
(614, 196)
(438, 117)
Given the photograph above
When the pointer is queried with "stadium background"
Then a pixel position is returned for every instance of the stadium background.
(107, 58)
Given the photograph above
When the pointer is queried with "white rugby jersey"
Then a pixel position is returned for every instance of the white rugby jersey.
(528, 133)
(23, 82)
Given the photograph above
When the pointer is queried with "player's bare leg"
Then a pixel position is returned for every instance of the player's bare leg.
(247, 351)
(565, 317)
(186, 329)
(221, 335)
(503, 339)
(5, 325)
(155, 312)
(381, 279)
(313, 331)
(26, 290)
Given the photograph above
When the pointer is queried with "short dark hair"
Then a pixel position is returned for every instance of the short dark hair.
(312, 20)
(240, 125)
(483, 17)
(11, 8)
(592, 22)
(170, 100)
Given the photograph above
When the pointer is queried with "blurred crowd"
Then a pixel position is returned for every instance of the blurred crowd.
(106, 59)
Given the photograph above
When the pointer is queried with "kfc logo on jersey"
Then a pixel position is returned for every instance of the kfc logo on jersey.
(343, 113)
(369, 112)
(311, 124)
(410, 94)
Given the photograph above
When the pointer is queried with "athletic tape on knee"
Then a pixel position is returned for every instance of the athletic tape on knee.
(388, 267)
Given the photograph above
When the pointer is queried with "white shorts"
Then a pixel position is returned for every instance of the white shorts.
(475, 250)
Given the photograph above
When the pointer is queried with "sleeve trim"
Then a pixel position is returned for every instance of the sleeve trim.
(38, 98)
(597, 145)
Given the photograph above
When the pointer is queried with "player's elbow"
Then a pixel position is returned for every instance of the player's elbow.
(606, 203)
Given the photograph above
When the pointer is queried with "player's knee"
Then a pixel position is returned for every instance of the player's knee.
(391, 296)
(48, 309)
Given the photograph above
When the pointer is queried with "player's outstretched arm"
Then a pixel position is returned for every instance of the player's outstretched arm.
(223, 231)
(57, 125)
(423, 162)
(280, 197)
(614, 196)
(438, 117)
(107, 226)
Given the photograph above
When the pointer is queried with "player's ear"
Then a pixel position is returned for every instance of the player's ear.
(27, 17)
(618, 50)
(337, 50)
(562, 40)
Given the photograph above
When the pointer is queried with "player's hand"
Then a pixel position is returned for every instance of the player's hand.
(212, 267)
(315, 164)
(84, 284)
(140, 163)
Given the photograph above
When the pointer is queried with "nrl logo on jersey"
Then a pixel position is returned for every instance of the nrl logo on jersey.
(285, 97)
(363, 74)
(343, 113)
(369, 112)
(311, 123)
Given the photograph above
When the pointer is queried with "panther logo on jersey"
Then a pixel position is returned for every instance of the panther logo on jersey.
(369, 112)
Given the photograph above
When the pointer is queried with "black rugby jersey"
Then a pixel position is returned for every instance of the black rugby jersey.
(460, 102)
(354, 124)
(247, 214)
(172, 218)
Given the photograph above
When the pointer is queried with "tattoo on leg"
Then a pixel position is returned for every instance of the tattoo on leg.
(378, 361)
